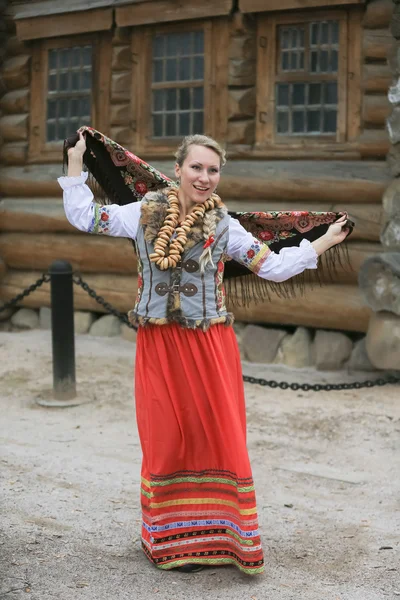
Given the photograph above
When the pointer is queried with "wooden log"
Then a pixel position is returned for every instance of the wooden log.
(376, 110)
(15, 72)
(14, 128)
(241, 72)
(241, 132)
(376, 79)
(34, 215)
(121, 36)
(378, 14)
(3, 268)
(376, 44)
(122, 135)
(379, 282)
(242, 47)
(358, 252)
(242, 103)
(330, 307)
(15, 46)
(15, 102)
(119, 290)
(89, 253)
(121, 58)
(14, 153)
(120, 87)
(120, 114)
(374, 143)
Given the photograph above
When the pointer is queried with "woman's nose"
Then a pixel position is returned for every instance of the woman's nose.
(204, 176)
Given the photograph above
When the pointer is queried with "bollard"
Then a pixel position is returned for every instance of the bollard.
(62, 329)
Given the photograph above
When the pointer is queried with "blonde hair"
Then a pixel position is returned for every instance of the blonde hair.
(199, 140)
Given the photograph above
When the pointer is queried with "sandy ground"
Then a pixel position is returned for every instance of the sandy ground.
(326, 467)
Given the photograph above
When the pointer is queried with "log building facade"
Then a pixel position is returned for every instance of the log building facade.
(295, 90)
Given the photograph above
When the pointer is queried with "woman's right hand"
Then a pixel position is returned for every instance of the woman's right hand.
(80, 147)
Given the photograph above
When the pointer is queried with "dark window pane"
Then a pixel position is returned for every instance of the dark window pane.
(298, 122)
(314, 34)
(324, 30)
(64, 58)
(171, 99)
(284, 38)
(63, 108)
(75, 81)
(52, 83)
(171, 65)
(74, 124)
(184, 124)
(86, 80)
(334, 61)
(323, 61)
(314, 62)
(294, 38)
(158, 46)
(51, 132)
(170, 122)
(62, 131)
(158, 70)
(313, 121)
(198, 42)
(157, 125)
(301, 61)
(158, 100)
(63, 82)
(293, 61)
(52, 59)
(282, 123)
(185, 45)
(198, 97)
(330, 121)
(85, 107)
(198, 67)
(172, 45)
(335, 32)
(331, 92)
(74, 106)
(298, 93)
(87, 56)
(301, 41)
(184, 99)
(198, 122)
(51, 109)
(76, 57)
(283, 94)
(285, 61)
(314, 95)
(184, 69)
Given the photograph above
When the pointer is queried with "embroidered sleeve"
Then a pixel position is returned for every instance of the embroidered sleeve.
(86, 215)
(257, 257)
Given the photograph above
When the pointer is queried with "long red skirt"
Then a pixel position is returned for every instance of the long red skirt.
(197, 491)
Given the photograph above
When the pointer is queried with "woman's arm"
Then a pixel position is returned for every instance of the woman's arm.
(257, 257)
(85, 214)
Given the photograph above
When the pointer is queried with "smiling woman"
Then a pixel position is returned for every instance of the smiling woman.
(198, 497)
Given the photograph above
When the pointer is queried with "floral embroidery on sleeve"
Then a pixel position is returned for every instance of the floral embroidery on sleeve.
(254, 256)
(101, 220)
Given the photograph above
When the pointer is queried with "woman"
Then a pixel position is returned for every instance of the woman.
(198, 498)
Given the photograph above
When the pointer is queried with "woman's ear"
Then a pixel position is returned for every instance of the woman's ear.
(177, 171)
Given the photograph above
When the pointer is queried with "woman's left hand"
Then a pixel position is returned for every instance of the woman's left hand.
(337, 232)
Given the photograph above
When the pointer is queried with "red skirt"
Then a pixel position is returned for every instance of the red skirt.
(197, 491)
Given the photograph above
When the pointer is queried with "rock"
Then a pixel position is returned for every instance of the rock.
(295, 350)
(393, 125)
(83, 321)
(260, 344)
(107, 326)
(331, 350)
(25, 318)
(379, 282)
(383, 340)
(7, 313)
(239, 329)
(391, 200)
(127, 333)
(359, 359)
(45, 317)
(390, 236)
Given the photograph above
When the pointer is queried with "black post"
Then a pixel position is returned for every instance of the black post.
(62, 329)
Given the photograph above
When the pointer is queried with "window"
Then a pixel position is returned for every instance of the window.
(67, 92)
(180, 83)
(306, 96)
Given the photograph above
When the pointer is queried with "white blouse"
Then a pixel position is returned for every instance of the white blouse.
(123, 221)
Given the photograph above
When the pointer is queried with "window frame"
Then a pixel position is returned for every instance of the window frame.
(40, 150)
(348, 78)
(216, 36)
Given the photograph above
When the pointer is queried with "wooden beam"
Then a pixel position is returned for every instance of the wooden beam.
(376, 79)
(14, 153)
(162, 11)
(64, 24)
(377, 44)
(252, 6)
(376, 109)
(378, 14)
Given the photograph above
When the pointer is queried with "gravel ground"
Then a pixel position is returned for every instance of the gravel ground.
(326, 467)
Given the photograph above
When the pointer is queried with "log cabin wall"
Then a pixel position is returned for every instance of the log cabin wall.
(350, 174)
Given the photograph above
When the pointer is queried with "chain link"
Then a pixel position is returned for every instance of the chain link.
(43, 279)
(283, 385)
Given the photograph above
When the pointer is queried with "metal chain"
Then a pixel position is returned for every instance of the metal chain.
(109, 308)
(43, 279)
(283, 385)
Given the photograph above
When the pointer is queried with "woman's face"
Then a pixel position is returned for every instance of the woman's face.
(199, 174)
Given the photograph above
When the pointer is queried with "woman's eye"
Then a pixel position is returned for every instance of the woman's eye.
(214, 170)
(195, 167)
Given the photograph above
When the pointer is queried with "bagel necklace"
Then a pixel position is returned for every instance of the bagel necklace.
(167, 251)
